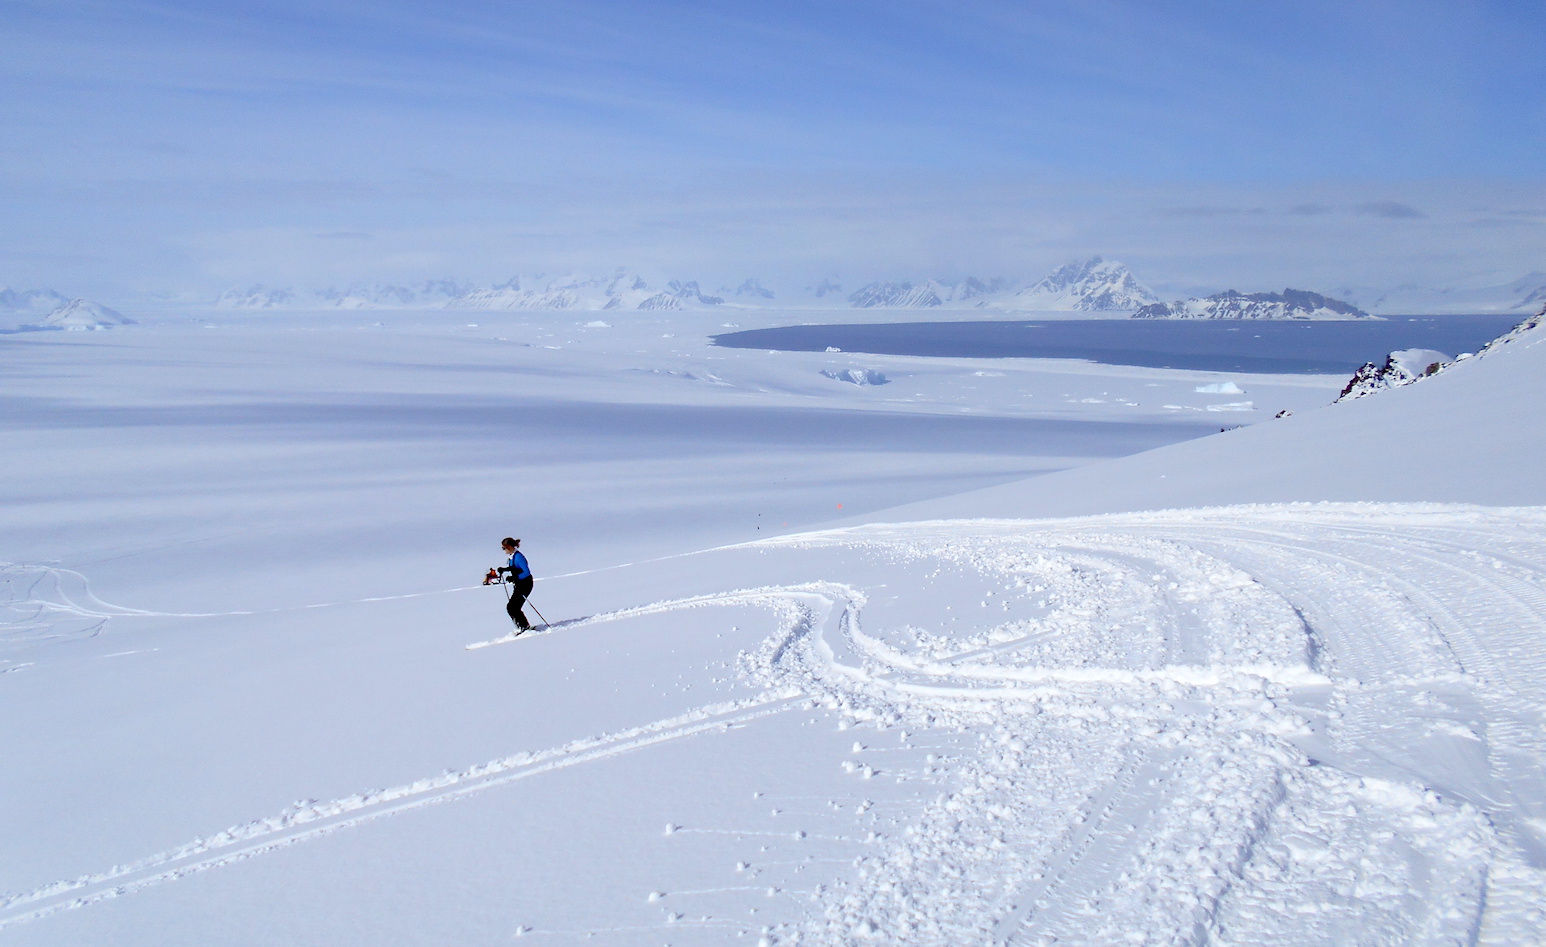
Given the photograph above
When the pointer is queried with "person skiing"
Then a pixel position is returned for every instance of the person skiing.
(520, 579)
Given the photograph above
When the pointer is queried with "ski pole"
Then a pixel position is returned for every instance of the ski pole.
(527, 602)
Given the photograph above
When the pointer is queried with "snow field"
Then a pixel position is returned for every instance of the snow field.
(254, 696)
(1238, 725)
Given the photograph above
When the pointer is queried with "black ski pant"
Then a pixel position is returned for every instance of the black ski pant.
(520, 589)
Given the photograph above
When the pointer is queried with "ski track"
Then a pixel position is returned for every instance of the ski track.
(1301, 723)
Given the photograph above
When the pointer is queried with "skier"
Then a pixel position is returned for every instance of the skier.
(520, 581)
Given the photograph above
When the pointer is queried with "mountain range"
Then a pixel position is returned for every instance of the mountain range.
(1089, 286)
(30, 300)
(1289, 304)
(1526, 294)
(1093, 285)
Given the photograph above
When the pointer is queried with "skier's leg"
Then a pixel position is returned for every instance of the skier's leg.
(517, 599)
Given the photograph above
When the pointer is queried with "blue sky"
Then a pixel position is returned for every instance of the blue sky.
(187, 145)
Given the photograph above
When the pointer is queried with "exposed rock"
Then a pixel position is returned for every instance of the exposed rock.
(858, 376)
(1516, 333)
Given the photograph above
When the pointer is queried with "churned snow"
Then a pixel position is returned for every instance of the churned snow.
(1004, 651)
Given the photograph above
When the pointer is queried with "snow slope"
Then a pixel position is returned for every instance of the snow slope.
(255, 695)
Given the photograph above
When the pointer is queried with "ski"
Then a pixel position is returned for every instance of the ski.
(535, 632)
(532, 632)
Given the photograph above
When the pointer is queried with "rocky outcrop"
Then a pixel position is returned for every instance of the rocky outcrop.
(858, 376)
(1411, 365)
(1515, 334)
(1400, 368)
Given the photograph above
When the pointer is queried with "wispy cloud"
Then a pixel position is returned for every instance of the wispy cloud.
(1205, 211)
(1390, 210)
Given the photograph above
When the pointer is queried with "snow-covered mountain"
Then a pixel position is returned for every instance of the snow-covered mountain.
(83, 314)
(30, 300)
(429, 294)
(1289, 304)
(1094, 285)
(923, 295)
(623, 290)
(1531, 290)
(749, 289)
(1526, 293)
(825, 288)
(433, 293)
(898, 295)
(258, 296)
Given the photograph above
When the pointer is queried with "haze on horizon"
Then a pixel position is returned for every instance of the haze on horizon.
(185, 147)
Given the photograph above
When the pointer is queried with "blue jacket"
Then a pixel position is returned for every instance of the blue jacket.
(518, 567)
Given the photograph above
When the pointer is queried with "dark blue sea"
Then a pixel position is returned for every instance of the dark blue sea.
(1297, 348)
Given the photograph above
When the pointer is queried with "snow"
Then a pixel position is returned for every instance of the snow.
(1093, 285)
(1002, 651)
(83, 315)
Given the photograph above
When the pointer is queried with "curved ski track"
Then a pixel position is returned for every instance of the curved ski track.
(1294, 724)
